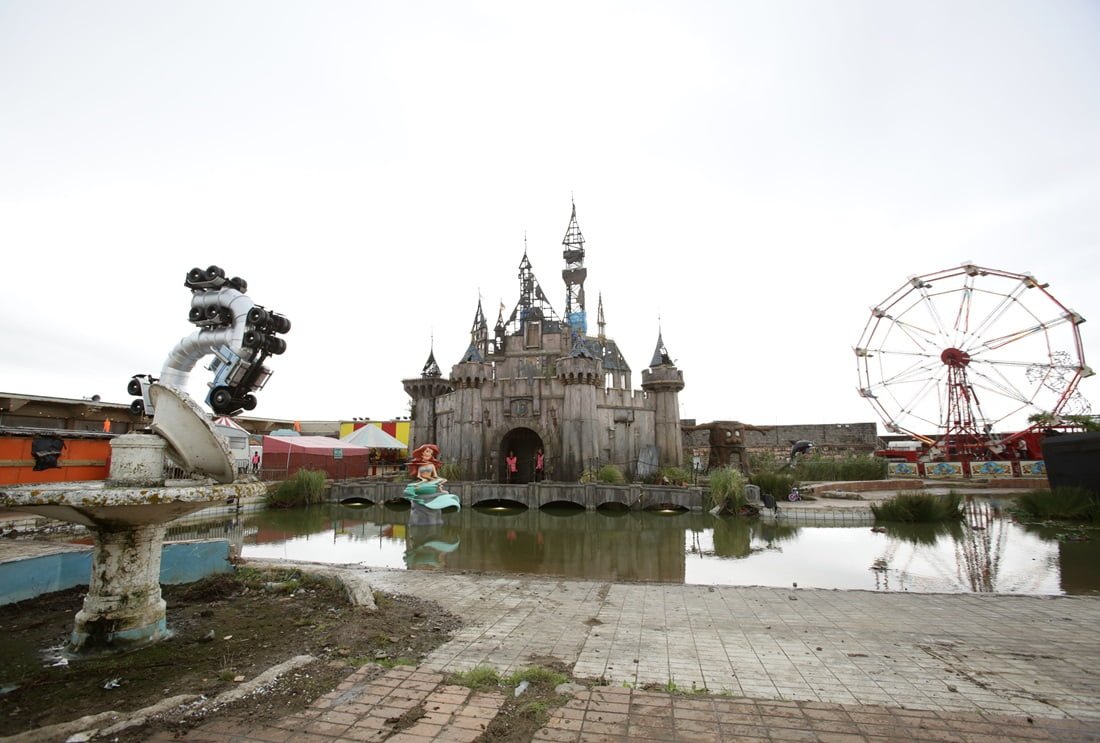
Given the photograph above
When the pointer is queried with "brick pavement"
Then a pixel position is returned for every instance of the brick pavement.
(695, 663)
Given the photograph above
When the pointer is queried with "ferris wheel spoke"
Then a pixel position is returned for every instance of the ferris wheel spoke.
(930, 305)
(1007, 302)
(1018, 335)
(962, 317)
(931, 385)
(922, 338)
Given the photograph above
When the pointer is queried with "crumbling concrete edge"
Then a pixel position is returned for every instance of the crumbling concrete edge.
(353, 578)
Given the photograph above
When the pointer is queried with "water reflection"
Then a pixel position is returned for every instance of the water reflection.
(986, 551)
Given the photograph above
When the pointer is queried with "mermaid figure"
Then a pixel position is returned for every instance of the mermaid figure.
(424, 467)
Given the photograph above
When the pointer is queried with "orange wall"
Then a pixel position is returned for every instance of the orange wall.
(81, 459)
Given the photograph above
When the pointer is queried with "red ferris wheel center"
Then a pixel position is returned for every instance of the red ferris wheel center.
(954, 357)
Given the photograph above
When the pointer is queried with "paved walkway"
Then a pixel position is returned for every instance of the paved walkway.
(775, 664)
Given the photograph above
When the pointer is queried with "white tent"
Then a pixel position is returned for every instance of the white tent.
(372, 437)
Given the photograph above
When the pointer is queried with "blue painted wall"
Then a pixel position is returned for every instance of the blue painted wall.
(180, 562)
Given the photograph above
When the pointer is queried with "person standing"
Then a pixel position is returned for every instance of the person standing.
(539, 464)
(255, 462)
(510, 463)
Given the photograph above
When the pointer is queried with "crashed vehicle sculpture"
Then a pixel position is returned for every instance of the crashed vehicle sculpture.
(239, 333)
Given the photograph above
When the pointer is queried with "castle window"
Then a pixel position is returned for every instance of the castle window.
(532, 335)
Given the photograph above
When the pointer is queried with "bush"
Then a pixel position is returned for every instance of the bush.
(920, 508)
(306, 487)
(452, 472)
(777, 484)
(674, 476)
(1060, 503)
(727, 485)
(609, 474)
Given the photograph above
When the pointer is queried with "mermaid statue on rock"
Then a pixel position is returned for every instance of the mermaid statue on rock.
(427, 489)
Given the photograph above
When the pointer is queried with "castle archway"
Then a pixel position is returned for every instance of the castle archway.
(525, 444)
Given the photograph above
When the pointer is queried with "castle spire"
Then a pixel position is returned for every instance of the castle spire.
(431, 368)
(574, 274)
(660, 354)
(599, 319)
(479, 337)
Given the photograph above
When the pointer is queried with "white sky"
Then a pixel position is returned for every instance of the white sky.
(756, 174)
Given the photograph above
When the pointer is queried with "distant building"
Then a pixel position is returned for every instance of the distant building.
(542, 382)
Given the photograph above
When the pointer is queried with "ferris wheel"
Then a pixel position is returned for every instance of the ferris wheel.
(962, 358)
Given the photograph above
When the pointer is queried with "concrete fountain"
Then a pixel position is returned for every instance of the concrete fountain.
(128, 513)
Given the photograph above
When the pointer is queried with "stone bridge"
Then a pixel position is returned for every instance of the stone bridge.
(590, 496)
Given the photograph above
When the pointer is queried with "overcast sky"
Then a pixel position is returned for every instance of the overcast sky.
(750, 177)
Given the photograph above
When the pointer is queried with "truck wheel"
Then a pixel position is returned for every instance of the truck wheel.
(134, 387)
(221, 400)
(248, 402)
(137, 407)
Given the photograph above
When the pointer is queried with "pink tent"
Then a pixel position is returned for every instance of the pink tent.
(285, 455)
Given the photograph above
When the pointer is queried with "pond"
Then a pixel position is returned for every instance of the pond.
(986, 552)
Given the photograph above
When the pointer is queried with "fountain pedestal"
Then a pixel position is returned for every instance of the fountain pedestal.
(123, 607)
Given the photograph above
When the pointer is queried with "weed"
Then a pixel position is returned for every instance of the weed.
(479, 678)
(537, 676)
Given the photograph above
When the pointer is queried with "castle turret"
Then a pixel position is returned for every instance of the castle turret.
(581, 374)
(664, 381)
(424, 390)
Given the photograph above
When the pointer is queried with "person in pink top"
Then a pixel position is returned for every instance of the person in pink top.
(539, 465)
(510, 463)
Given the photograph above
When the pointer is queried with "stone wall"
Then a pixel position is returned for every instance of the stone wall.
(828, 438)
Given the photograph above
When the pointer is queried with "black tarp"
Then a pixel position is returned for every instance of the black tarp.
(46, 450)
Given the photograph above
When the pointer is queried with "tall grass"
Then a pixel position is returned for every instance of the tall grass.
(1072, 504)
(305, 488)
(920, 508)
(856, 467)
(727, 486)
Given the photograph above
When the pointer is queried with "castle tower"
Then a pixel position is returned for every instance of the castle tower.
(581, 374)
(466, 444)
(425, 390)
(664, 381)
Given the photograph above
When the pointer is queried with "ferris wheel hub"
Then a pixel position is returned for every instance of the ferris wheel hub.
(955, 357)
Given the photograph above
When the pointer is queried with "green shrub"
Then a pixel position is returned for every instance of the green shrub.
(858, 467)
(727, 485)
(919, 508)
(777, 484)
(305, 488)
(452, 472)
(674, 476)
(1060, 503)
(609, 474)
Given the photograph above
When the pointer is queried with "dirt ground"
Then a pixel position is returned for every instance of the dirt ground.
(226, 630)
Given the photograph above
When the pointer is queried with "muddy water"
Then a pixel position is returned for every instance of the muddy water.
(988, 551)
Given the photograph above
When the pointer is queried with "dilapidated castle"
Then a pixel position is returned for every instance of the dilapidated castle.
(541, 382)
